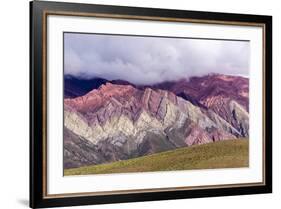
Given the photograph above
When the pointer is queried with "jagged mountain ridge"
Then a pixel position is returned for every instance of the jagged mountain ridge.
(116, 122)
(217, 92)
(196, 89)
(214, 91)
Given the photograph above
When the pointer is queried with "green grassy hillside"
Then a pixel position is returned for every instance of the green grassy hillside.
(223, 154)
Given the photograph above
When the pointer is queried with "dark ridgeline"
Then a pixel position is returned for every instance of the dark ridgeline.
(74, 86)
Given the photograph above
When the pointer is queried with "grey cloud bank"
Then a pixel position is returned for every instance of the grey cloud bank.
(148, 60)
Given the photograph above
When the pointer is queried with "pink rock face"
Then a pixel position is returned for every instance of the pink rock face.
(197, 136)
(112, 99)
(152, 99)
(201, 136)
(214, 92)
(212, 89)
(98, 97)
(218, 135)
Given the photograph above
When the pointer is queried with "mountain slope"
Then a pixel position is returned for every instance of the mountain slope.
(228, 96)
(117, 122)
(224, 154)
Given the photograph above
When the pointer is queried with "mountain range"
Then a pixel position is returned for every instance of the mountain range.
(112, 120)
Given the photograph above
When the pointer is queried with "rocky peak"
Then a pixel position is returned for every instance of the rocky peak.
(98, 97)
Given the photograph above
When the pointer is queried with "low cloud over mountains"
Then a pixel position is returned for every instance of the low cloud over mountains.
(150, 60)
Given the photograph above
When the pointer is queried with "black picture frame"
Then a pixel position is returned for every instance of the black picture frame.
(38, 12)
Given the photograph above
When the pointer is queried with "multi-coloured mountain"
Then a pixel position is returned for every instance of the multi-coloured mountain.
(116, 120)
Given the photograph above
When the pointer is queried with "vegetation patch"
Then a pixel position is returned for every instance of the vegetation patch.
(222, 154)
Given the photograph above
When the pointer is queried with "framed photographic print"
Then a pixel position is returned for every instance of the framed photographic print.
(140, 104)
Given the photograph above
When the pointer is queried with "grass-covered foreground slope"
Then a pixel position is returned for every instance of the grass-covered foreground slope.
(222, 154)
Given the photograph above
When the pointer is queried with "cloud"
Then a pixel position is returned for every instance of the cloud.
(148, 60)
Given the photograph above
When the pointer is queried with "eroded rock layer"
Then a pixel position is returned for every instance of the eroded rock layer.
(120, 121)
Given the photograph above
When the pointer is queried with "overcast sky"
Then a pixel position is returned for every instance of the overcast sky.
(148, 60)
